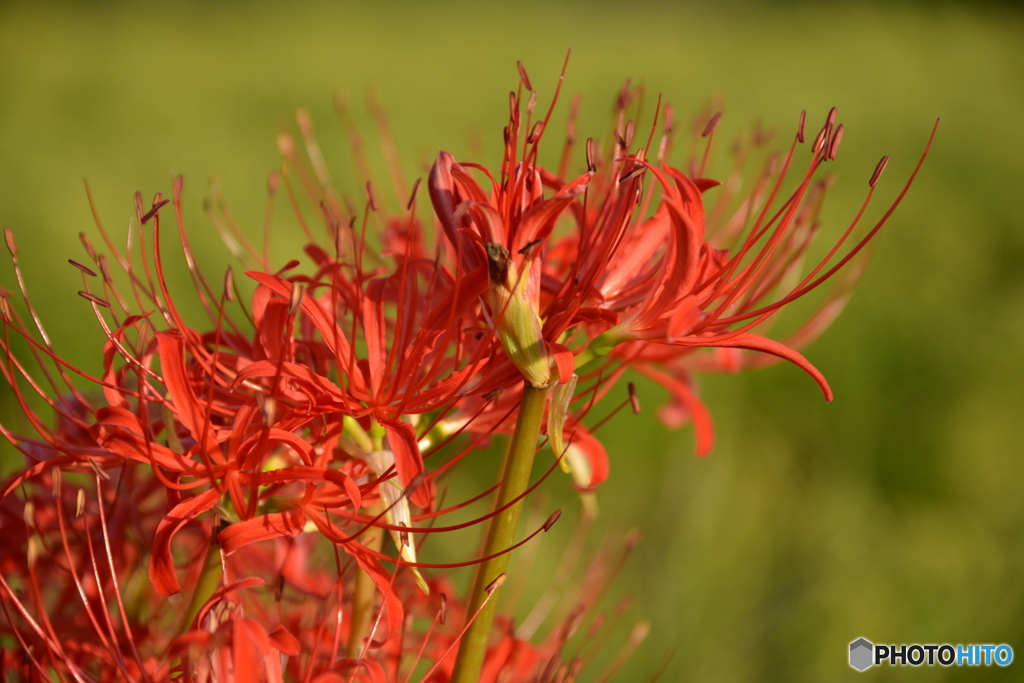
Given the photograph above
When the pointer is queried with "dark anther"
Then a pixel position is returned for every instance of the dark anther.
(530, 245)
(152, 212)
(95, 299)
(85, 269)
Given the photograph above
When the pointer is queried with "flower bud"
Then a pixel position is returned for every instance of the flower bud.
(518, 325)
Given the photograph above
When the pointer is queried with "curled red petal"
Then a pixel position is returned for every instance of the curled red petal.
(290, 475)
(756, 342)
(161, 563)
(284, 641)
(332, 335)
(262, 528)
(564, 360)
(187, 407)
(408, 461)
(373, 327)
(119, 431)
(597, 458)
(537, 223)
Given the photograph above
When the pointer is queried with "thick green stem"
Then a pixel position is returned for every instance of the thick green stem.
(514, 482)
(365, 591)
(209, 582)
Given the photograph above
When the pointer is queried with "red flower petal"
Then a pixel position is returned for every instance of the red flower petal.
(756, 342)
(187, 407)
(161, 564)
(262, 528)
(408, 461)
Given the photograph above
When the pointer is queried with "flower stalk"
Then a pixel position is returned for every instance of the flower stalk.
(209, 581)
(365, 594)
(501, 535)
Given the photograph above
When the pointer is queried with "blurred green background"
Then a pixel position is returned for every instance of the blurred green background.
(895, 513)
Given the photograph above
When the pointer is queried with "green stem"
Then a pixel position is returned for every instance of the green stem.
(514, 482)
(365, 591)
(209, 582)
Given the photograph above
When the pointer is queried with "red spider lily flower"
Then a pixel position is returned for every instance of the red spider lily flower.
(250, 429)
(274, 433)
(77, 596)
(251, 463)
(638, 277)
(700, 295)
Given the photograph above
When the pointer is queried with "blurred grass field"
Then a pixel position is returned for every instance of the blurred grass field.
(894, 513)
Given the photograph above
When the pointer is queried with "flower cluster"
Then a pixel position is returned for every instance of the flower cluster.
(214, 505)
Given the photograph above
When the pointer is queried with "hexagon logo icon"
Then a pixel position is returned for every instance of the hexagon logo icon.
(861, 652)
